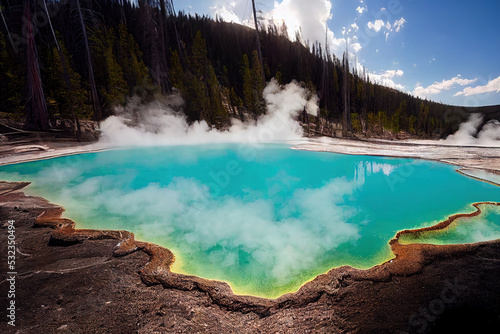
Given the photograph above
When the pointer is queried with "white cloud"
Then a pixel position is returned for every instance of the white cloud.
(230, 10)
(438, 87)
(355, 47)
(387, 79)
(491, 86)
(309, 18)
(398, 24)
(305, 18)
(376, 26)
(360, 9)
(337, 45)
(379, 25)
(393, 73)
(226, 15)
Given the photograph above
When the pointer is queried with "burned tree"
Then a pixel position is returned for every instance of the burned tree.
(37, 116)
(346, 124)
(93, 88)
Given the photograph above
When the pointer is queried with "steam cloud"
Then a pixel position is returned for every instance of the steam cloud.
(282, 241)
(468, 132)
(159, 124)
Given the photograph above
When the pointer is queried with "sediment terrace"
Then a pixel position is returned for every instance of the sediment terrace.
(473, 157)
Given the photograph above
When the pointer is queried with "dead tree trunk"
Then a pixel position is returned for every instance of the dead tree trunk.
(8, 31)
(171, 12)
(77, 129)
(346, 124)
(37, 116)
(93, 88)
(259, 52)
(162, 16)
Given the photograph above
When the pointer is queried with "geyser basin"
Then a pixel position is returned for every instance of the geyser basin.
(265, 219)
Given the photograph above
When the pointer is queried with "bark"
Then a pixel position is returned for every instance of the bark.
(163, 60)
(93, 88)
(37, 116)
(50, 24)
(122, 13)
(64, 64)
(259, 52)
(77, 129)
(171, 11)
(346, 125)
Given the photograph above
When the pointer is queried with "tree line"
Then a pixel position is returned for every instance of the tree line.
(79, 59)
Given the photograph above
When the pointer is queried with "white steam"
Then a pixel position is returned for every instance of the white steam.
(469, 133)
(282, 241)
(312, 105)
(159, 124)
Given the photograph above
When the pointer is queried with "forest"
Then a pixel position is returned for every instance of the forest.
(77, 60)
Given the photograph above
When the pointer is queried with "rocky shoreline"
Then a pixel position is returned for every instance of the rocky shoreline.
(83, 281)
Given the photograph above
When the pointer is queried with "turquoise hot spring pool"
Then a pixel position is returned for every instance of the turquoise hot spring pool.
(266, 218)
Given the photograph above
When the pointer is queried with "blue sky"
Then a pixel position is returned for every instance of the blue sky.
(444, 50)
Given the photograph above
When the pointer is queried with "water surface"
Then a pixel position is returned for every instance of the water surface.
(265, 219)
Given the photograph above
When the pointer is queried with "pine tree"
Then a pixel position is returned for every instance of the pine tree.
(129, 57)
(199, 61)
(197, 81)
(411, 124)
(177, 75)
(257, 85)
(108, 73)
(63, 86)
(248, 97)
(12, 80)
(219, 116)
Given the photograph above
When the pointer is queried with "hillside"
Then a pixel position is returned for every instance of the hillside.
(75, 60)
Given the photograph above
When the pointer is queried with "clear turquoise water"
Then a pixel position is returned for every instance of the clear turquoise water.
(264, 219)
(464, 230)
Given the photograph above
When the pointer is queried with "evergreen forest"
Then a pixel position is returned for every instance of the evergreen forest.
(77, 60)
